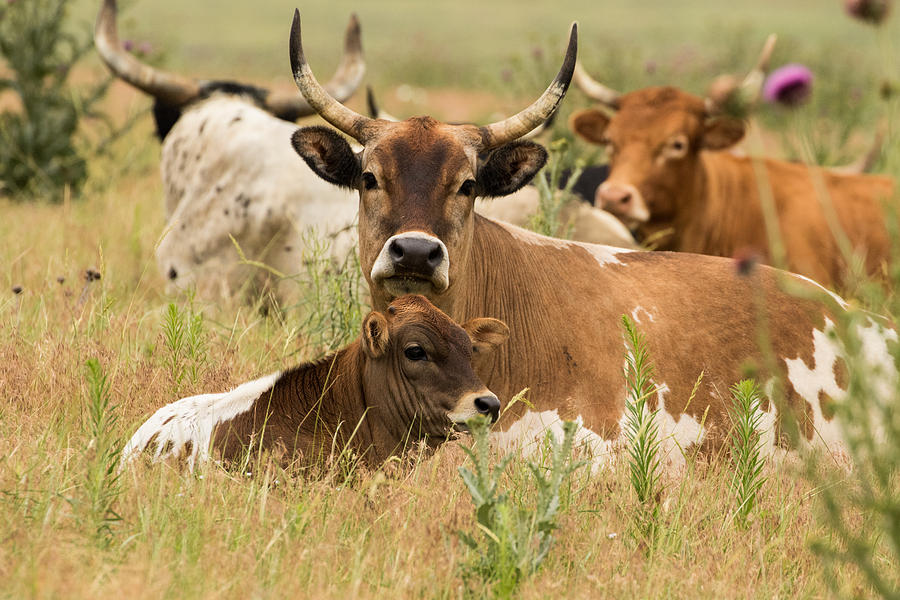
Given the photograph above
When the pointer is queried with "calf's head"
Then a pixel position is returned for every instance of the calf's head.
(421, 360)
(418, 179)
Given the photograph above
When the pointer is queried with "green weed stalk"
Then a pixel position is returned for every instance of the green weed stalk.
(515, 539)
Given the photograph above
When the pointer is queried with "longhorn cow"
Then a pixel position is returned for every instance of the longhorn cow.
(563, 301)
(671, 179)
(226, 176)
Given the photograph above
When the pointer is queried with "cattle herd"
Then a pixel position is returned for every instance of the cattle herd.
(468, 307)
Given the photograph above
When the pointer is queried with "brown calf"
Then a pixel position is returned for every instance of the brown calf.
(672, 181)
(418, 179)
(408, 377)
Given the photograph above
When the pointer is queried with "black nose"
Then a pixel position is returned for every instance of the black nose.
(173, 274)
(416, 255)
(488, 405)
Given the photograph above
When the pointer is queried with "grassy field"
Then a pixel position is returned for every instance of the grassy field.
(69, 529)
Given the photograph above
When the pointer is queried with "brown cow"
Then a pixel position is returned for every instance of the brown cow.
(672, 181)
(563, 301)
(408, 377)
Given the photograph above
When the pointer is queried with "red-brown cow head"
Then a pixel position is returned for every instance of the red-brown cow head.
(418, 180)
(654, 137)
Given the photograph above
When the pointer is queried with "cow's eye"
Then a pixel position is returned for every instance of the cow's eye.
(369, 181)
(467, 188)
(415, 353)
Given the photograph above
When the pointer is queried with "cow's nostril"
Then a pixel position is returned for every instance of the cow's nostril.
(173, 274)
(435, 254)
(488, 405)
(395, 250)
(625, 199)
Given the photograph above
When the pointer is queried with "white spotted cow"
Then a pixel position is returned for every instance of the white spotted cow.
(230, 177)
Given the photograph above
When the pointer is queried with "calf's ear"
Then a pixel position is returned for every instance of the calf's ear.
(722, 132)
(509, 167)
(375, 334)
(486, 334)
(590, 124)
(328, 155)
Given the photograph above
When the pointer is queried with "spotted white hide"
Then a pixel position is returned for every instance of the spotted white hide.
(229, 171)
(588, 224)
(184, 428)
(816, 383)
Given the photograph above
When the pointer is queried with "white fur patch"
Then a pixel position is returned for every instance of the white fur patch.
(604, 255)
(840, 301)
(193, 420)
(528, 433)
(811, 380)
(229, 171)
(637, 311)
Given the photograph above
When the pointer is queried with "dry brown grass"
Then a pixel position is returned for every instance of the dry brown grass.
(224, 534)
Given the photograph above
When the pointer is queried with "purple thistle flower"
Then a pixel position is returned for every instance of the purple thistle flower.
(789, 85)
(145, 48)
(128, 45)
(870, 11)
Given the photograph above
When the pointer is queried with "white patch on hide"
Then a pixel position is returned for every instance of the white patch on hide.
(637, 311)
(604, 255)
(193, 419)
(528, 433)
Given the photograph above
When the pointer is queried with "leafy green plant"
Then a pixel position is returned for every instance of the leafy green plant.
(38, 151)
(641, 431)
(185, 338)
(514, 539)
(746, 447)
(332, 305)
(552, 199)
(102, 485)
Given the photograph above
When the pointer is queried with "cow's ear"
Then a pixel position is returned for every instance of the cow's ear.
(486, 334)
(510, 167)
(375, 334)
(328, 155)
(722, 132)
(590, 124)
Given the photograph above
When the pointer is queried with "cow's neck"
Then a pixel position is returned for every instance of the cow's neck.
(722, 215)
(326, 399)
(507, 268)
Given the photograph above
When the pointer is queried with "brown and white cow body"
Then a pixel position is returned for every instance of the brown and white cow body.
(227, 180)
(563, 301)
(674, 182)
(407, 378)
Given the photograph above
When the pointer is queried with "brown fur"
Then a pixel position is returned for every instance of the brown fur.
(366, 397)
(709, 202)
(564, 307)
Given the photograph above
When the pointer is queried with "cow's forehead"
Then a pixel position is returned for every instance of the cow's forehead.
(416, 310)
(657, 112)
(422, 144)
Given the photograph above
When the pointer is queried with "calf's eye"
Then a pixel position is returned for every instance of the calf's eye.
(415, 353)
(369, 181)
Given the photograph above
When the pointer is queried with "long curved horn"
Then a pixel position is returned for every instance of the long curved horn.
(343, 84)
(497, 134)
(753, 83)
(167, 87)
(348, 121)
(725, 89)
(594, 89)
